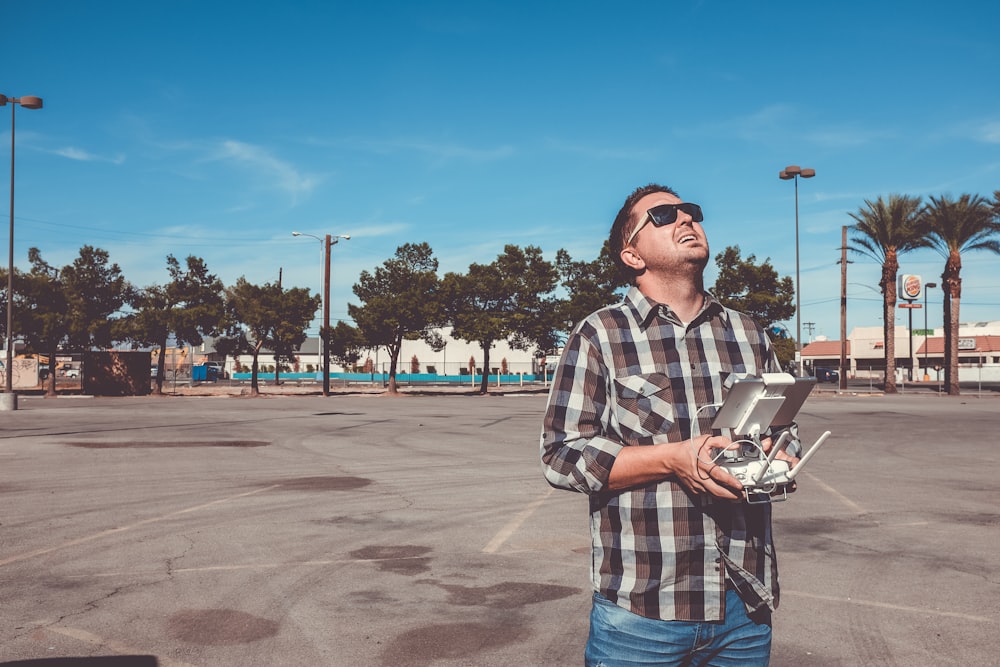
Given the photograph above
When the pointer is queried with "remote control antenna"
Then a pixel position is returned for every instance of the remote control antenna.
(812, 450)
(778, 446)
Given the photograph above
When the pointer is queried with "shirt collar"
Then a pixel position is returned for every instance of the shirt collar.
(646, 309)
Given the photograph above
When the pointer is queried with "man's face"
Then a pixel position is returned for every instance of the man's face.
(670, 247)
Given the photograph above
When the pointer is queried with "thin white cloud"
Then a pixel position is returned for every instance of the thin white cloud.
(989, 132)
(387, 229)
(441, 151)
(444, 151)
(759, 125)
(845, 136)
(270, 168)
(778, 120)
(602, 152)
(80, 155)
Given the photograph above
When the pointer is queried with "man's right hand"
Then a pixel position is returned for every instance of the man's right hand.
(694, 467)
(690, 463)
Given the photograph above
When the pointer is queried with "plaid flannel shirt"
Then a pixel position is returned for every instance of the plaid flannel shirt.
(631, 375)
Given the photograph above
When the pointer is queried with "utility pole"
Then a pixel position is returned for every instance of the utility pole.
(843, 308)
(325, 334)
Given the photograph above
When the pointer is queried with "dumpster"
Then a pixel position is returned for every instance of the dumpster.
(204, 373)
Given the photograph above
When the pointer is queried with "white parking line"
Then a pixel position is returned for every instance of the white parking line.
(122, 529)
(893, 607)
(856, 508)
(514, 524)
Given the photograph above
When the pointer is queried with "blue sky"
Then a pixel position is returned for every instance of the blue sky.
(218, 128)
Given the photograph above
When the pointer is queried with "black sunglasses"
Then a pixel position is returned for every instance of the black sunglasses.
(666, 214)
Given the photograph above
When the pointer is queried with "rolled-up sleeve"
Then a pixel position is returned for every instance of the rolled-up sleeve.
(577, 451)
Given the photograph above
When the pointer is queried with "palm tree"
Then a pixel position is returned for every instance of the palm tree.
(883, 231)
(954, 227)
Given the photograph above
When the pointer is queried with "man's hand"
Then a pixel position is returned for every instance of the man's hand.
(792, 462)
(694, 467)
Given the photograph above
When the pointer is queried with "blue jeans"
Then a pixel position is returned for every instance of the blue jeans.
(619, 638)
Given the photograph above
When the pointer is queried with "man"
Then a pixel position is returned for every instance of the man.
(683, 571)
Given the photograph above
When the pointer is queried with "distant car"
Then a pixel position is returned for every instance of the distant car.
(71, 372)
(827, 375)
(220, 369)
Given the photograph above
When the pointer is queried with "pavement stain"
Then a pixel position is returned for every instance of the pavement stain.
(825, 525)
(219, 627)
(450, 641)
(507, 595)
(405, 559)
(324, 483)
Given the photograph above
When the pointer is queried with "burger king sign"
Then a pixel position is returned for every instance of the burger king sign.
(911, 287)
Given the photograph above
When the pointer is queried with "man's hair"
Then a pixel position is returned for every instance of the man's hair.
(623, 226)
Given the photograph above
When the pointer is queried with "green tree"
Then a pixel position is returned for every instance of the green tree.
(96, 291)
(883, 231)
(589, 286)
(344, 343)
(265, 316)
(756, 289)
(956, 226)
(399, 300)
(77, 307)
(188, 308)
(40, 311)
(509, 299)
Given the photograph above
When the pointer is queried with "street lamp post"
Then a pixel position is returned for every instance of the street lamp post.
(326, 242)
(928, 286)
(793, 172)
(9, 400)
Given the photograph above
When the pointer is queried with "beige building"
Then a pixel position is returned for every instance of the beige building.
(978, 353)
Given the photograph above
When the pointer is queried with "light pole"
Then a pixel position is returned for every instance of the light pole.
(793, 172)
(9, 401)
(928, 286)
(326, 242)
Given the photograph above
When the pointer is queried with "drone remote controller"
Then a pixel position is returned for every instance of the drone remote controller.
(754, 405)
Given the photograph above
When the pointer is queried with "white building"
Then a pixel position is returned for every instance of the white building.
(415, 356)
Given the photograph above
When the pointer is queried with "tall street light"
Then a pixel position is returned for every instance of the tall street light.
(927, 286)
(9, 400)
(326, 242)
(793, 172)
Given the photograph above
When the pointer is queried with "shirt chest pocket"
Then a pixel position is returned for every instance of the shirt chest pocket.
(644, 407)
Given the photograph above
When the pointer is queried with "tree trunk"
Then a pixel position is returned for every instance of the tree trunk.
(485, 383)
(160, 367)
(277, 370)
(952, 299)
(889, 270)
(948, 336)
(254, 368)
(50, 389)
(952, 381)
(393, 358)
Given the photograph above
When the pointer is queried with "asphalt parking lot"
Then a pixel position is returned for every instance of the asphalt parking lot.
(417, 530)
